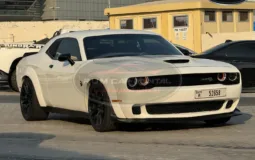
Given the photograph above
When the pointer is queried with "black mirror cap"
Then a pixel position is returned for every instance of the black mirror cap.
(228, 1)
(64, 57)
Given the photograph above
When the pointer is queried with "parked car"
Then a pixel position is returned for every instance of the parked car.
(125, 76)
(12, 53)
(186, 51)
(241, 54)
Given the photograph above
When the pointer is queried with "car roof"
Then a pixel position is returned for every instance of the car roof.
(90, 33)
(240, 41)
(226, 44)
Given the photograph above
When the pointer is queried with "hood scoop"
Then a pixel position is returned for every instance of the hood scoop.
(177, 61)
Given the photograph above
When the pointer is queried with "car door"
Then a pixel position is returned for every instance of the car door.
(242, 55)
(62, 90)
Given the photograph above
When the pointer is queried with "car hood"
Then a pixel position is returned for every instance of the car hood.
(149, 66)
(160, 62)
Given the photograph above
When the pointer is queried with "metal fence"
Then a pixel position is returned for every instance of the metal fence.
(27, 10)
(15, 10)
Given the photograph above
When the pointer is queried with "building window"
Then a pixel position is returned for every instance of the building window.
(181, 21)
(149, 23)
(227, 16)
(126, 24)
(243, 16)
(210, 16)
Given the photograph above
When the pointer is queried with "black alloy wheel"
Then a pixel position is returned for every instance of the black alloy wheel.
(100, 109)
(30, 107)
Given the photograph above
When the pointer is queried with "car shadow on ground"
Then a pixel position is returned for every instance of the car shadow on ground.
(183, 125)
(69, 118)
(27, 146)
(142, 127)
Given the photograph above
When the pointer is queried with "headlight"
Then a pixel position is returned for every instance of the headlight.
(144, 81)
(222, 77)
(232, 77)
(132, 82)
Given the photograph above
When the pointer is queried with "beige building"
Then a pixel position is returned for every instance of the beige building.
(36, 30)
(191, 23)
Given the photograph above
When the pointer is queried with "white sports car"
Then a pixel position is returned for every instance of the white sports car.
(125, 76)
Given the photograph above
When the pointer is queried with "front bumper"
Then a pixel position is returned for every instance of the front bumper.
(3, 76)
(165, 120)
(184, 97)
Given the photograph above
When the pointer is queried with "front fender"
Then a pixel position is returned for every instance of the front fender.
(30, 73)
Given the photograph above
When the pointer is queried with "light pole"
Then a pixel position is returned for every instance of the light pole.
(109, 3)
(54, 8)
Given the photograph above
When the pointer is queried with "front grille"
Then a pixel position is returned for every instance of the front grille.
(186, 80)
(248, 77)
(190, 107)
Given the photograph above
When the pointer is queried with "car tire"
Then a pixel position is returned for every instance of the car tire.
(13, 81)
(29, 104)
(220, 121)
(100, 109)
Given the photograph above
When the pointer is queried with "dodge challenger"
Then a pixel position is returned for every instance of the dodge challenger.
(115, 76)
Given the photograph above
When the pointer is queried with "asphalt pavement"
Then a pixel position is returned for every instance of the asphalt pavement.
(64, 137)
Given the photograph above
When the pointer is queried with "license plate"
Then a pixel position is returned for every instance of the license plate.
(210, 93)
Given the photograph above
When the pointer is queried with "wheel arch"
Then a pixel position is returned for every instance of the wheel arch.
(31, 74)
(14, 64)
(112, 96)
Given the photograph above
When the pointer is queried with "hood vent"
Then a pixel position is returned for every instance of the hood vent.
(178, 61)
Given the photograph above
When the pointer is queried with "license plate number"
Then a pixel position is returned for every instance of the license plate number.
(210, 93)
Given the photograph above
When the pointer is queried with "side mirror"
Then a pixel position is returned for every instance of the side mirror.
(66, 57)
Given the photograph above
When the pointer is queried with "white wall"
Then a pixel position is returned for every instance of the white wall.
(29, 31)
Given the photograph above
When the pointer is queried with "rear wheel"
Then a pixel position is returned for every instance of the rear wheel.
(30, 107)
(100, 109)
(13, 81)
(220, 121)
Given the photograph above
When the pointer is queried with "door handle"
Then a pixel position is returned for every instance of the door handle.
(51, 66)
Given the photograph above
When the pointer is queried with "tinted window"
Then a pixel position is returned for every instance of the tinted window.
(241, 50)
(150, 23)
(216, 49)
(71, 46)
(53, 48)
(126, 24)
(127, 45)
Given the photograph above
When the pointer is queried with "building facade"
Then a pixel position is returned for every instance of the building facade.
(195, 24)
(29, 10)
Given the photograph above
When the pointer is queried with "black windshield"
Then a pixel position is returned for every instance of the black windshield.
(127, 45)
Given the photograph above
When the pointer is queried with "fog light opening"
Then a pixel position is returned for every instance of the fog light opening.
(229, 104)
(136, 110)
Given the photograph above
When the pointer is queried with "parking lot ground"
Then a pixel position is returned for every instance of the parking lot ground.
(65, 137)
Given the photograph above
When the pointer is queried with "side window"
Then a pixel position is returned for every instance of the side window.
(69, 46)
(242, 50)
(53, 48)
